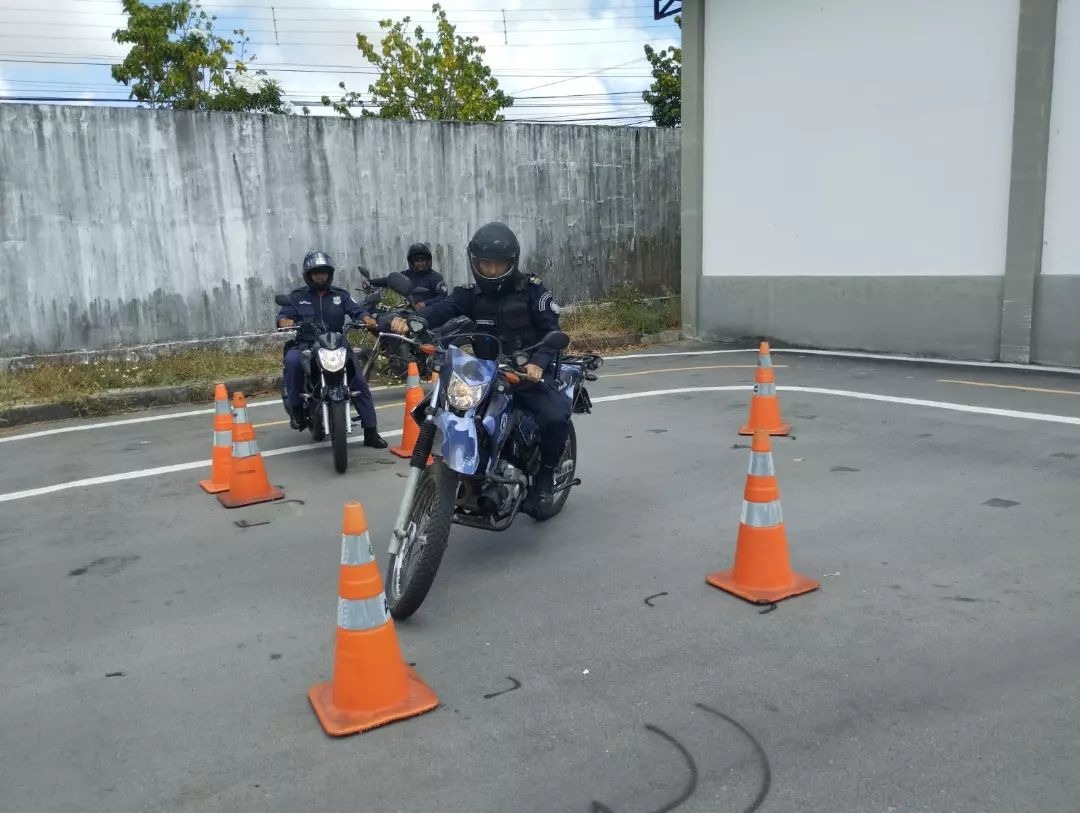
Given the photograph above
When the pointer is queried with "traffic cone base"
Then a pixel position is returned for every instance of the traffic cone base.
(271, 494)
(762, 570)
(221, 462)
(338, 722)
(780, 430)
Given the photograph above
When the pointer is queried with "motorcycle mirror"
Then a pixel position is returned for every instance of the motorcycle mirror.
(283, 300)
(417, 324)
(364, 272)
(399, 283)
(521, 359)
(556, 340)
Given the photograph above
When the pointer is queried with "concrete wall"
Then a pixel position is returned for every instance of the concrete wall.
(857, 172)
(129, 226)
(1056, 337)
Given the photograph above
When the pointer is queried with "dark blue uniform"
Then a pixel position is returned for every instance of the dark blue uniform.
(428, 287)
(520, 315)
(330, 308)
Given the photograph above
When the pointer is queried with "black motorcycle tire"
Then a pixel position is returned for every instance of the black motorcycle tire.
(339, 440)
(437, 487)
(318, 431)
(556, 505)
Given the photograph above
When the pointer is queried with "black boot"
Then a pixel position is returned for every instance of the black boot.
(298, 418)
(373, 439)
(544, 485)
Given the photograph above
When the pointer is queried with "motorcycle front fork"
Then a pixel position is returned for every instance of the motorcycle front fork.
(326, 411)
(417, 464)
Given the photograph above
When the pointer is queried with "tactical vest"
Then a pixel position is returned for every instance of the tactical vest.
(507, 315)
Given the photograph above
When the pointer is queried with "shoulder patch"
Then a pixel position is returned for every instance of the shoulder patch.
(547, 302)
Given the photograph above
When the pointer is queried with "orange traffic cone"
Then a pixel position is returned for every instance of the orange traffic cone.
(414, 394)
(371, 683)
(248, 483)
(762, 572)
(764, 405)
(221, 446)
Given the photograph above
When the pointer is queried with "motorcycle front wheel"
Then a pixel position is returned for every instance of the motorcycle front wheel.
(338, 439)
(411, 571)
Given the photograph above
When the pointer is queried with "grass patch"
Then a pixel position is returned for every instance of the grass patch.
(69, 383)
(54, 382)
(622, 312)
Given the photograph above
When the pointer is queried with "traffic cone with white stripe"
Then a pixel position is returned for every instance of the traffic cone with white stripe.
(248, 482)
(221, 446)
(762, 572)
(410, 430)
(764, 405)
(371, 684)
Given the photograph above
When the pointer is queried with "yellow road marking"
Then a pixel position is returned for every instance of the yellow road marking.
(279, 423)
(1008, 387)
(602, 376)
(684, 369)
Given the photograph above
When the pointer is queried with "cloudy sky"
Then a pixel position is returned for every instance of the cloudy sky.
(564, 61)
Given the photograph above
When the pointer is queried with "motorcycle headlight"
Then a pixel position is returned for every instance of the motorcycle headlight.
(332, 360)
(461, 395)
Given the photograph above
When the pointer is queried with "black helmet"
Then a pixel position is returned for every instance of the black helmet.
(318, 261)
(418, 250)
(494, 241)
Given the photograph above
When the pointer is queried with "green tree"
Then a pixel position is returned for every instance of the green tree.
(422, 78)
(176, 60)
(664, 95)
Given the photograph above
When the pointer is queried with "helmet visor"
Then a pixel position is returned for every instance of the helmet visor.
(491, 269)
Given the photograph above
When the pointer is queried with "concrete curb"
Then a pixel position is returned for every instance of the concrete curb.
(117, 401)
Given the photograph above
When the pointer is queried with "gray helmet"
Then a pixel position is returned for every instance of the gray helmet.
(318, 261)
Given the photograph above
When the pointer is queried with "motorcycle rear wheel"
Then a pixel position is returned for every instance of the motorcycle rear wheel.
(564, 473)
(411, 571)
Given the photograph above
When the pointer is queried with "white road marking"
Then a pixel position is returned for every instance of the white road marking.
(865, 396)
(138, 474)
(63, 430)
(629, 396)
(1031, 368)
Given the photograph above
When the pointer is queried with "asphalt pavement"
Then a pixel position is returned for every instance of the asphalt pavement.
(157, 655)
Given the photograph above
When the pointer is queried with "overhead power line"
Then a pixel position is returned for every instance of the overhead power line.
(290, 67)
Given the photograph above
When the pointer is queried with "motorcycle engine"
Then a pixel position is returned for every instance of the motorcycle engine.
(498, 499)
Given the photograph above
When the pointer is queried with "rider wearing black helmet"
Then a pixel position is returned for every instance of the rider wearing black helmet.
(321, 301)
(518, 309)
(428, 286)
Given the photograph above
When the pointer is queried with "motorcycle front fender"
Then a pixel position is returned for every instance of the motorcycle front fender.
(460, 448)
(337, 392)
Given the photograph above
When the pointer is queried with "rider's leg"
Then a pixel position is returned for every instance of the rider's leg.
(551, 410)
(293, 377)
(365, 408)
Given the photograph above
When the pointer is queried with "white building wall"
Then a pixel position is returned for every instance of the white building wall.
(1061, 249)
(865, 137)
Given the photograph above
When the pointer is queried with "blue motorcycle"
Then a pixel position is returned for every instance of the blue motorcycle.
(485, 451)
